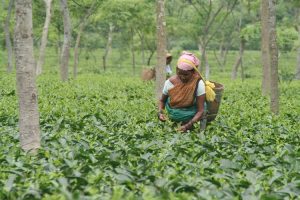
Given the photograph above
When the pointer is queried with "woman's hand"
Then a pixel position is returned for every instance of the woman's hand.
(186, 127)
(182, 128)
(162, 117)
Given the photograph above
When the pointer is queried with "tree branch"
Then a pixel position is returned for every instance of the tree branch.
(225, 17)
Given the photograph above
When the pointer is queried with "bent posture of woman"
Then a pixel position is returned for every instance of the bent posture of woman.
(183, 94)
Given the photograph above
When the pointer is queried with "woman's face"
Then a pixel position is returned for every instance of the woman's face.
(169, 60)
(184, 75)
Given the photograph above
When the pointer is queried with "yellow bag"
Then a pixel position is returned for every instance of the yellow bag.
(209, 88)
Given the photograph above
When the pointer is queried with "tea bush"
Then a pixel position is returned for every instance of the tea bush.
(101, 140)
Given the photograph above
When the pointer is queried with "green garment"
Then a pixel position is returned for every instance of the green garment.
(181, 114)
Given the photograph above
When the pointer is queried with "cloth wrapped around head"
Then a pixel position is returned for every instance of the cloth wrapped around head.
(187, 61)
(168, 55)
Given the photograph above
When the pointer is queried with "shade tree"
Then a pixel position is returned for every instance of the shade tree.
(206, 20)
(81, 14)
(26, 86)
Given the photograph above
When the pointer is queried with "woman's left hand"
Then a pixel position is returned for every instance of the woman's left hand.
(185, 127)
(182, 128)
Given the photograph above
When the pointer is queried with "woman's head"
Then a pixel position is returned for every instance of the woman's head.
(186, 65)
(168, 58)
(185, 75)
(187, 61)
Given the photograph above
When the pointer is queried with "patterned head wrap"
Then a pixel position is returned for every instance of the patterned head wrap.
(187, 61)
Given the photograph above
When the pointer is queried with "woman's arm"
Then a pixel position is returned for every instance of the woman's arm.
(200, 110)
(161, 107)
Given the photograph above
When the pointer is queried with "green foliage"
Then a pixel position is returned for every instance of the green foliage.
(287, 38)
(101, 140)
(185, 23)
(251, 31)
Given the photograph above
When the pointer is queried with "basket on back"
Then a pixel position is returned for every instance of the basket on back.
(213, 107)
(148, 74)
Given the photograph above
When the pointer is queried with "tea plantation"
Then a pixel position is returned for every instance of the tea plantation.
(101, 140)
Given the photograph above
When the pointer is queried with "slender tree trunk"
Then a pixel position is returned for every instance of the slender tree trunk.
(209, 33)
(207, 67)
(265, 87)
(78, 38)
(44, 41)
(161, 47)
(143, 47)
(224, 58)
(76, 49)
(65, 55)
(59, 49)
(108, 45)
(224, 47)
(235, 68)
(204, 61)
(150, 57)
(7, 36)
(242, 56)
(298, 64)
(121, 56)
(132, 50)
(201, 50)
(26, 87)
(298, 56)
(273, 49)
(221, 46)
(239, 61)
(222, 53)
(218, 60)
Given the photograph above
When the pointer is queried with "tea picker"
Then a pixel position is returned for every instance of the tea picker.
(187, 97)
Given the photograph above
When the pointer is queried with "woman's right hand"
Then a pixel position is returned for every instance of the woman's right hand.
(162, 117)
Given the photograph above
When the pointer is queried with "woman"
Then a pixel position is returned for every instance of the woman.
(168, 65)
(183, 94)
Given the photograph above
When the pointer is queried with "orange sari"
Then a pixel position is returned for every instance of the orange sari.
(183, 95)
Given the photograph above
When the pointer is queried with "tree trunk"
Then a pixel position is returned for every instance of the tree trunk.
(217, 59)
(265, 87)
(208, 32)
(58, 48)
(298, 63)
(7, 36)
(65, 54)
(26, 87)
(132, 50)
(202, 49)
(44, 41)
(76, 48)
(223, 48)
(224, 58)
(108, 45)
(298, 59)
(242, 66)
(207, 67)
(143, 47)
(161, 47)
(222, 54)
(273, 49)
(150, 57)
(239, 61)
